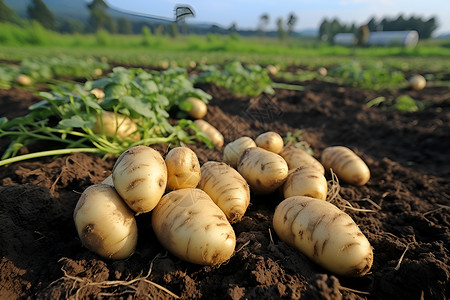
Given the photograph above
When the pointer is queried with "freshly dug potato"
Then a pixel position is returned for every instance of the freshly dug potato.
(264, 170)
(325, 234)
(193, 228)
(296, 157)
(199, 108)
(99, 93)
(306, 181)
(118, 125)
(183, 168)
(104, 222)
(322, 71)
(233, 150)
(271, 141)
(24, 80)
(227, 188)
(346, 164)
(214, 135)
(140, 178)
(417, 82)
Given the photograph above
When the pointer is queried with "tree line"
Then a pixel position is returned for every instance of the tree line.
(425, 27)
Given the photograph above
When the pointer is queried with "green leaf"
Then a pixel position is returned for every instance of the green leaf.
(75, 122)
(138, 106)
(100, 83)
(376, 101)
(3, 122)
(405, 103)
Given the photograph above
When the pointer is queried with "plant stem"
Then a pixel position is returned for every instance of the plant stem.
(47, 153)
(286, 86)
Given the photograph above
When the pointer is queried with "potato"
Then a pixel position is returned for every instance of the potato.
(346, 164)
(199, 109)
(227, 188)
(271, 141)
(306, 181)
(23, 80)
(322, 71)
(104, 222)
(98, 93)
(417, 82)
(325, 234)
(211, 132)
(115, 124)
(233, 150)
(193, 228)
(264, 171)
(296, 157)
(183, 168)
(273, 70)
(140, 177)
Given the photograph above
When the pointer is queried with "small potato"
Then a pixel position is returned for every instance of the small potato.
(271, 141)
(104, 223)
(140, 178)
(199, 109)
(100, 94)
(213, 134)
(325, 234)
(296, 157)
(119, 125)
(183, 168)
(306, 181)
(23, 80)
(417, 82)
(346, 164)
(232, 151)
(264, 170)
(322, 71)
(273, 70)
(227, 188)
(193, 228)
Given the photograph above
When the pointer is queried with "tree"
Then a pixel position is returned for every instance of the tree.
(5, 12)
(98, 18)
(324, 30)
(263, 22)
(38, 11)
(125, 26)
(292, 20)
(280, 29)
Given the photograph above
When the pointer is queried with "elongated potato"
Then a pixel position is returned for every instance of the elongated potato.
(232, 151)
(183, 168)
(306, 181)
(140, 178)
(346, 164)
(271, 141)
(116, 124)
(104, 222)
(227, 188)
(264, 170)
(193, 228)
(213, 134)
(325, 234)
(199, 108)
(296, 157)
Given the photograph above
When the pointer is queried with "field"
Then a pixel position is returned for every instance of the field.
(403, 212)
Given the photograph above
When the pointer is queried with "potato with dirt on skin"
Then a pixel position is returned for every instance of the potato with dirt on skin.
(211, 132)
(193, 228)
(117, 125)
(233, 150)
(296, 157)
(346, 164)
(270, 141)
(264, 170)
(417, 82)
(199, 108)
(306, 181)
(227, 188)
(183, 168)
(140, 177)
(104, 223)
(325, 234)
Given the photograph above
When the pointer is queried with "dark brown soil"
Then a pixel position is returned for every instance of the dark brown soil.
(408, 155)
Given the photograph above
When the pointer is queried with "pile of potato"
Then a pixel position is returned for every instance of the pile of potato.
(193, 207)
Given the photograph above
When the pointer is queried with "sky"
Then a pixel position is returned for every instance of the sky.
(310, 13)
